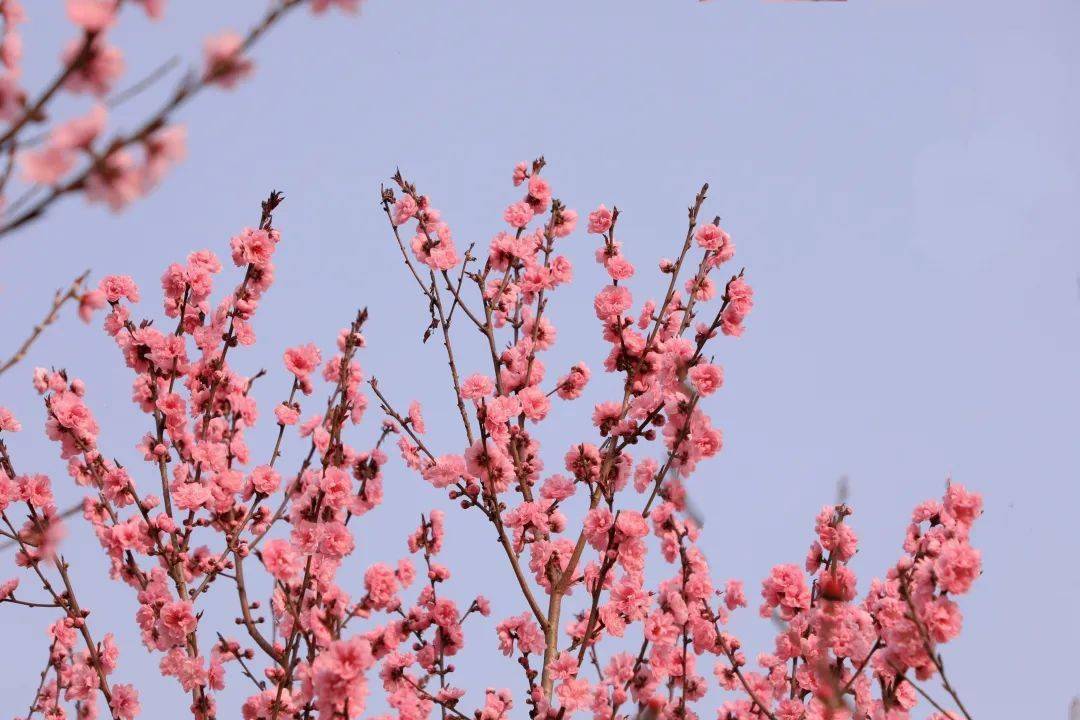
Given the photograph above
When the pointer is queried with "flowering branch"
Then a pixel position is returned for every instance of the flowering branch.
(109, 173)
(577, 540)
(928, 644)
(35, 545)
(76, 291)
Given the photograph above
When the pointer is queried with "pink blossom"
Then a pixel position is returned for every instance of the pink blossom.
(302, 360)
(225, 64)
(82, 683)
(539, 196)
(154, 9)
(599, 220)
(785, 589)
(404, 209)
(92, 15)
(125, 701)
(477, 386)
(611, 302)
(177, 620)
(416, 419)
(574, 694)
(280, 559)
(265, 479)
(573, 384)
(252, 247)
(535, 404)
(164, 148)
(964, 506)
(619, 268)
(90, 302)
(114, 180)
(520, 632)
(190, 495)
(286, 414)
(707, 378)
(434, 245)
(567, 222)
(712, 237)
(740, 301)
(957, 566)
(733, 595)
(518, 215)
(8, 421)
(521, 171)
(12, 97)
(445, 470)
(101, 66)
(116, 287)
(47, 165)
(943, 619)
(381, 585)
(349, 6)
(80, 133)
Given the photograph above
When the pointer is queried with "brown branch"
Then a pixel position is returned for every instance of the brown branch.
(929, 648)
(66, 599)
(494, 515)
(59, 300)
(62, 516)
(151, 78)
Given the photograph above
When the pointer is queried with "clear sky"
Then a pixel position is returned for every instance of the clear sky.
(901, 179)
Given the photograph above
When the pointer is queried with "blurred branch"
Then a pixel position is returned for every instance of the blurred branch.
(157, 74)
(191, 85)
(63, 516)
(73, 292)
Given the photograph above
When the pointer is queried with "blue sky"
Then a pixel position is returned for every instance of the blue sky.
(901, 179)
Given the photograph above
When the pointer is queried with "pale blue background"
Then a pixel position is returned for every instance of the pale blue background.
(900, 177)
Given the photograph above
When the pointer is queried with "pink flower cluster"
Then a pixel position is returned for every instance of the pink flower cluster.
(596, 565)
(203, 512)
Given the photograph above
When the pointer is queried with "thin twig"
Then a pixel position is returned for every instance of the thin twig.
(62, 296)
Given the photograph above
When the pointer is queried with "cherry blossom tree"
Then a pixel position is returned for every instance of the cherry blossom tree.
(607, 604)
